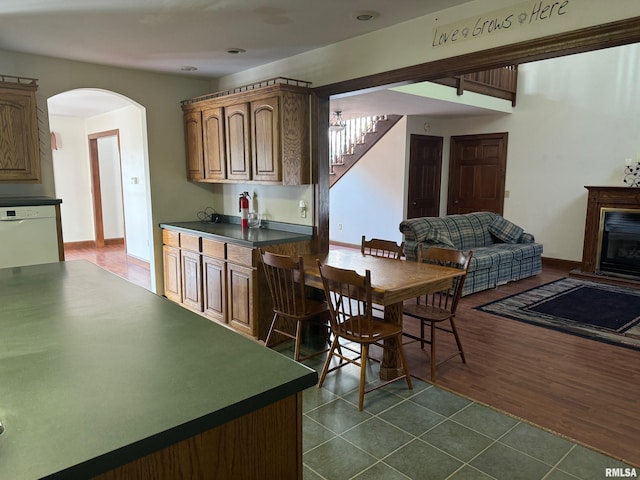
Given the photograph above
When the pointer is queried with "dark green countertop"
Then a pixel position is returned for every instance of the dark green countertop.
(27, 201)
(96, 372)
(248, 237)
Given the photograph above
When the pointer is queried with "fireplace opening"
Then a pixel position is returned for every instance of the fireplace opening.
(619, 246)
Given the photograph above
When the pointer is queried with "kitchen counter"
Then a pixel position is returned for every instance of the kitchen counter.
(96, 373)
(27, 201)
(248, 237)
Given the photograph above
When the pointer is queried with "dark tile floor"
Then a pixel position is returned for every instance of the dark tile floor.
(427, 433)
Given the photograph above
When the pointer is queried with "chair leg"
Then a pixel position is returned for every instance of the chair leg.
(325, 369)
(363, 374)
(296, 355)
(433, 351)
(455, 334)
(422, 334)
(273, 324)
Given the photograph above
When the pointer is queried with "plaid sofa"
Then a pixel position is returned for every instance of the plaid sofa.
(502, 251)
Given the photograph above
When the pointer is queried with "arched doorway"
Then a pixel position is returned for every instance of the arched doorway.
(79, 121)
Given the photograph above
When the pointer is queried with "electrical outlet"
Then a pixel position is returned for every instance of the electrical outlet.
(339, 226)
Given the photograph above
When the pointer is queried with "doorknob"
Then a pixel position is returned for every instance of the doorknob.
(414, 203)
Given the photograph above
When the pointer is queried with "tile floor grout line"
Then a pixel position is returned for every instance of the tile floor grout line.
(378, 463)
(465, 464)
(557, 464)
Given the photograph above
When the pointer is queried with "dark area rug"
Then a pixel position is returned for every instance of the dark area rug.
(599, 311)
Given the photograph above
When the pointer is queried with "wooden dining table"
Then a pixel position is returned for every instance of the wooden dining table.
(393, 282)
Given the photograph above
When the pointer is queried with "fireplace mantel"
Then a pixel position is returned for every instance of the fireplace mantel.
(603, 197)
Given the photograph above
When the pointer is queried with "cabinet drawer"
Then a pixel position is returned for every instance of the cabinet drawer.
(171, 238)
(240, 255)
(213, 248)
(190, 242)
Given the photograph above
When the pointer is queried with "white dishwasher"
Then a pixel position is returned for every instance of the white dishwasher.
(28, 235)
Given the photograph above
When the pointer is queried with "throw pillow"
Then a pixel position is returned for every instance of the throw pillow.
(440, 237)
(505, 230)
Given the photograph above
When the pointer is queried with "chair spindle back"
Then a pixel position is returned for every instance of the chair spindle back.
(349, 298)
(382, 248)
(446, 299)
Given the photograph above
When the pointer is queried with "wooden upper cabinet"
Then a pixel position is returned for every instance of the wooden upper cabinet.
(260, 135)
(194, 150)
(215, 163)
(265, 139)
(19, 149)
(295, 157)
(238, 146)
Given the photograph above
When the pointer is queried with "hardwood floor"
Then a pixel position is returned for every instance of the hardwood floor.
(114, 259)
(586, 390)
(582, 389)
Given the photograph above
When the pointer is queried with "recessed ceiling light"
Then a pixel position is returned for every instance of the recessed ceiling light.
(188, 68)
(365, 15)
(235, 51)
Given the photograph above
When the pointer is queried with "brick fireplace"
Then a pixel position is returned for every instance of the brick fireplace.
(612, 233)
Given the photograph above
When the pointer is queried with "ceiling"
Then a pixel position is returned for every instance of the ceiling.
(167, 35)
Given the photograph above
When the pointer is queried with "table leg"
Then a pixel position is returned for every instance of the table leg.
(390, 367)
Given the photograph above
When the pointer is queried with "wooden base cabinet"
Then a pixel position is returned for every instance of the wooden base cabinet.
(215, 279)
(265, 444)
(221, 281)
(172, 268)
(240, 285)
(191, 280)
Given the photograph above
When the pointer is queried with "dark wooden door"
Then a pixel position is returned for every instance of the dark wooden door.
(425, 170)
(476, 173)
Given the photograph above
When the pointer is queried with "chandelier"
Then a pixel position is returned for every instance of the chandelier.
(337, 124)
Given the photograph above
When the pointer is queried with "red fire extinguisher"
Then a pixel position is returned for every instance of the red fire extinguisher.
(244, 209)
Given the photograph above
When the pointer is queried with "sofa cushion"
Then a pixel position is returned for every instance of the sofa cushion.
(505, 230)
(439, 237)
(420, 228)
(470, 230)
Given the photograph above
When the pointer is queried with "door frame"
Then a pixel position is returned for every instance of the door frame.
(94, 161)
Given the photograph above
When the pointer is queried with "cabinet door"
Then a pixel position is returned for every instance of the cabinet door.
(19, 149)
(215, 166)
(172, 273)
(237, 142)
(191, 280)
(215, 288)
(193, 139)
(240, 304)
(265, 139)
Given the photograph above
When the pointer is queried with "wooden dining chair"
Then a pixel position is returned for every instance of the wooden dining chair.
(349, 296)
(291, 306)
(440, 306)
(382, 248)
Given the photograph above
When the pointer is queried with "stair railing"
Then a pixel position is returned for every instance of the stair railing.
(342, 142)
